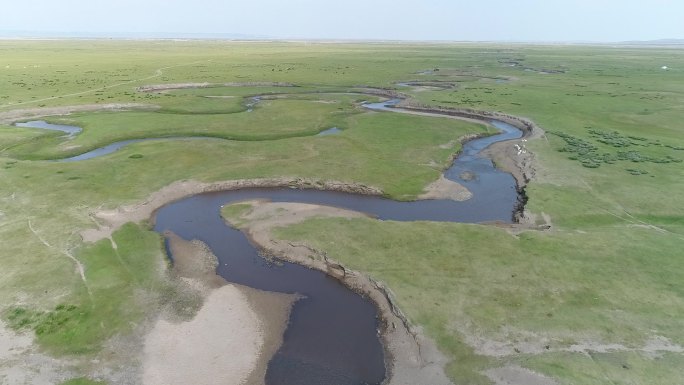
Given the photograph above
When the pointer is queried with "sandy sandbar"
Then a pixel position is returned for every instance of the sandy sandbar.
(231, 338)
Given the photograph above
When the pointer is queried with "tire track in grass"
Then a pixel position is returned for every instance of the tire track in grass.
(79, 265)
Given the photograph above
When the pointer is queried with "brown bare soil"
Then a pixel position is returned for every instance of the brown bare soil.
(444, 188)
(12, 116)
(179, 86)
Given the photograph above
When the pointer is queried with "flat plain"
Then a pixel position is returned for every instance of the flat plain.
(596, 298)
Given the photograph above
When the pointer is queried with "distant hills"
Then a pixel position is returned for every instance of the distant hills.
(656, 42)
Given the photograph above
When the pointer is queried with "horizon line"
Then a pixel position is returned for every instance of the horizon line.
(243, 37)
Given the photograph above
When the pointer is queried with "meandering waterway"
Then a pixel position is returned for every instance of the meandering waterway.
(333, 335)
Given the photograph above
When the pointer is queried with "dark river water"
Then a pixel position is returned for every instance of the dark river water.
(333, 337)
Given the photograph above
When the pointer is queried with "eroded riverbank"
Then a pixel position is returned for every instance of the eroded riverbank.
(411, 357)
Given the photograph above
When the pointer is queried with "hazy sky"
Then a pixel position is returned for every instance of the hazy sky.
(511, 20)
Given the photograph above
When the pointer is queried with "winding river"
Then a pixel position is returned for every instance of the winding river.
(333, 336)
(71, 131)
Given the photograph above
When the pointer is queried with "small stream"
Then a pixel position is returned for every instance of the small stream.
(332, 336)
(116, 146)
(69, 130)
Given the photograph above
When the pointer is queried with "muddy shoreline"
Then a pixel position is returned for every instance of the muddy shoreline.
(523, 171)
(510, 156)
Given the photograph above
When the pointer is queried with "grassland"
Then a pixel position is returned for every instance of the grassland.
(294, 118)
(608, 273)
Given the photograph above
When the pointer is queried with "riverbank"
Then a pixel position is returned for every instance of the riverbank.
(511, 156)
(411, 357)
(109, 221)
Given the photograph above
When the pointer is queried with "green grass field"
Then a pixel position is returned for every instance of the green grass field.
(279, 119)
(608, 175)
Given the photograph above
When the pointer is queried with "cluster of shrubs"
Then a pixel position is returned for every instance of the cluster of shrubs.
(580, 150)
(636, 157)
(616, 139)
(41, 322)
(635, 171)
(612, 138)
(588, 154)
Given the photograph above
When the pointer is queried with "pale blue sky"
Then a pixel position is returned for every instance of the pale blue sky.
(504, 20)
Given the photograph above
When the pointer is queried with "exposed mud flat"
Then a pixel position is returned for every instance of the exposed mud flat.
(219, 346)
(230, 339)
(513, 157)
(22, 363)
(32, 113)
(444, 188)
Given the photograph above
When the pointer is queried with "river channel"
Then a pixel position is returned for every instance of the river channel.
(333, 334)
